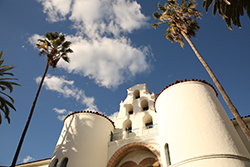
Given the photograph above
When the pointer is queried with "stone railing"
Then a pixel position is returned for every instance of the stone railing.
(134, 132)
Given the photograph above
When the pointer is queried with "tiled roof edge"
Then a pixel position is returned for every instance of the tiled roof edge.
(92, 112)
(186, 80)
(241, 117)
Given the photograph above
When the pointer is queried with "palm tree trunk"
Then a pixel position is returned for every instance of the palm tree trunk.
(29, 118)
(232, 108)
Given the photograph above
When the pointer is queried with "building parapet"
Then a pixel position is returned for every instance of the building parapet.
(130, 133)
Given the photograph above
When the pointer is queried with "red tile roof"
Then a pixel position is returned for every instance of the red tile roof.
(92, 112)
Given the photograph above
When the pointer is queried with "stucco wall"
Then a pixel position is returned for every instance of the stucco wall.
(84, 140)
(193, 123)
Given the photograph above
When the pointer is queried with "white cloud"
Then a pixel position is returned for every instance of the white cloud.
(67, 88)
(114, 115)
(27, 159)
(128, 15)
(96, 15)
(108, 61)
(56, 9)
(33, 39)
(61, 117)
(60, 111)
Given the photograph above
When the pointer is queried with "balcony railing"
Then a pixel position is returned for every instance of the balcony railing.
(134, 132)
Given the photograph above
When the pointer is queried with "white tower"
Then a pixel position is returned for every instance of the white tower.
(134, 141)
(194, 129)
(83, 140)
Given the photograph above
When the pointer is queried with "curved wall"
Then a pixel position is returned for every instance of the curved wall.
(194, 124)
(84, 140)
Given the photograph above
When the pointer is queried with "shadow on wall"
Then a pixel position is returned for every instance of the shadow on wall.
(70, 137)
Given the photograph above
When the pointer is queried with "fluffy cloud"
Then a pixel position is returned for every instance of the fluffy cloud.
(102, 51)
(62, 113)
(56, 9)
(67, 88)
(108, 61)
(97, 16)
(27, 159)
(33, 39)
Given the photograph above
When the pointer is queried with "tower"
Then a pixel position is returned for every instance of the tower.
(134, 140)
(83, 140)
(194, 129)
(184, 126)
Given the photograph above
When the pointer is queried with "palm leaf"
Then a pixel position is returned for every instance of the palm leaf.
(69, 50)
(57, 48)
(8, 83)
(66, 58)
(229, 10)
(66, 44)
(181, 19)
(12, 100)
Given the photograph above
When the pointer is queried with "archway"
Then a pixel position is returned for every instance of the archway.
(126, 149)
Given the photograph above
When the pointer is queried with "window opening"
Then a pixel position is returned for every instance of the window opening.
(144, 105)
(167, 154)
(111, 136)
(136, 94)
(129, 130)
(149, 125)
(64, 162)
(129, 109)
(55, 162)
(127, 126)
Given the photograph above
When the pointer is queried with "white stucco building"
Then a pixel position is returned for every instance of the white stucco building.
(184, 126)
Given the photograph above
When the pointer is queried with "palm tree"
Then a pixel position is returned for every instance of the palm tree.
(182, 23)
(230, 10)
(54, 47)
(6, 83)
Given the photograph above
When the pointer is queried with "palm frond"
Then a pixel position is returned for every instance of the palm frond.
(160, 7)
(66, 58)
(66, 44)
(180, 18)
(6, 83)
(230, 10)
(69, 50)
(56, 48)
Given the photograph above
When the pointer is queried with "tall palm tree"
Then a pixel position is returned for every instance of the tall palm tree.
(230, 10)
(182, 23)
(6, 83)
(54, 47)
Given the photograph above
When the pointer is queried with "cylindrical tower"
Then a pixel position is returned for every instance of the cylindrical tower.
(194, 129)
(83, 140)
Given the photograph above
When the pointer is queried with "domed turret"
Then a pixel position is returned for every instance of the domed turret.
(194, 129)
(83, 140)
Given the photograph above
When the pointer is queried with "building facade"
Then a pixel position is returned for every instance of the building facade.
(184, 126)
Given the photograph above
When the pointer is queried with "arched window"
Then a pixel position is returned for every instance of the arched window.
(129, 109)
(167, 153)
(144, 105)
(148, 121)
(54, 163)
(136, 94)
(64, 162)
(127, 126)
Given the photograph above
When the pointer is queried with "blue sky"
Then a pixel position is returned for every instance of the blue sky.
(114, 48)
